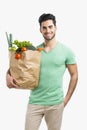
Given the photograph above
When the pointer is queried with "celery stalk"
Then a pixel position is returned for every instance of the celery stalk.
(9, 39)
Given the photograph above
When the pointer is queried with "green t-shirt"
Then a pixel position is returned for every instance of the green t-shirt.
(53, 66)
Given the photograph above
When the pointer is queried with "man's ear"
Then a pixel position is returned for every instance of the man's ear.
(56, 27)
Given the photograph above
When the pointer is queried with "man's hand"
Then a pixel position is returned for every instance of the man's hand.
(10, 81)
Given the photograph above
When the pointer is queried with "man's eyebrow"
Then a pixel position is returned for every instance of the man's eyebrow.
(47, 26)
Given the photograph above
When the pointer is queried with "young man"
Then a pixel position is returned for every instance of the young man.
(48, 100)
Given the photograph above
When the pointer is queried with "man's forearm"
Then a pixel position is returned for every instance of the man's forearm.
(72, 86)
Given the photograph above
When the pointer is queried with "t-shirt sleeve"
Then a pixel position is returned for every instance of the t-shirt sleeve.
(71, 58)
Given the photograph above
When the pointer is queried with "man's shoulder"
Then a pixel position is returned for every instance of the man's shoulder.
(40, 45)
(64, 46)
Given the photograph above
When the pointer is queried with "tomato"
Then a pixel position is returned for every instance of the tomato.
(17, 56)
(40, 49)
(23, 48)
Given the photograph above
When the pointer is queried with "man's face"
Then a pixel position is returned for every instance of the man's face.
(48, 30)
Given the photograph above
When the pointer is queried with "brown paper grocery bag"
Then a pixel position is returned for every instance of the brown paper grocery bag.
(26, 69)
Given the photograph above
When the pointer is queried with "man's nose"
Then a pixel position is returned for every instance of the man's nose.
(47, 30)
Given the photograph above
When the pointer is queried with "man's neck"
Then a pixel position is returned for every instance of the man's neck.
(49, 45)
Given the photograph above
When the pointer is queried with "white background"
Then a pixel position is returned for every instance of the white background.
(20, 17)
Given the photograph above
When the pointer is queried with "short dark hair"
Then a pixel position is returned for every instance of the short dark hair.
(45, 17)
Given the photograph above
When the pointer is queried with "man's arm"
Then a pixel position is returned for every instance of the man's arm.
(10, 81)
(72, 68)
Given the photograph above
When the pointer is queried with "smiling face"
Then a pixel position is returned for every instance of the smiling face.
(48, 29)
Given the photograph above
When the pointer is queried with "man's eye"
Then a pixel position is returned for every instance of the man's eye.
(50, 27)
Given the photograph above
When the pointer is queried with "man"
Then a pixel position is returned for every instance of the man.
(48, 100)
